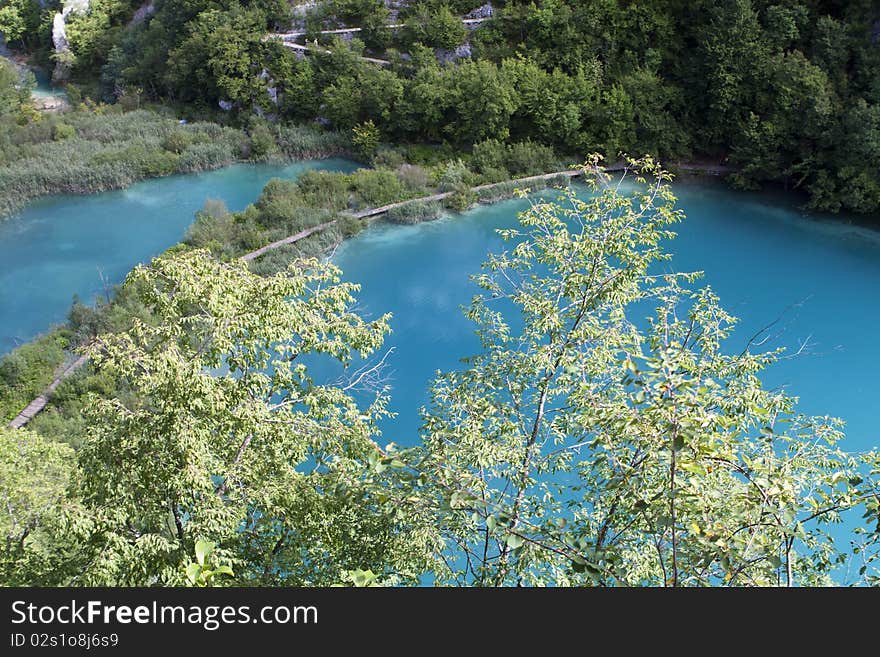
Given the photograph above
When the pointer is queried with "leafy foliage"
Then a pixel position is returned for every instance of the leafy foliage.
(582, 445)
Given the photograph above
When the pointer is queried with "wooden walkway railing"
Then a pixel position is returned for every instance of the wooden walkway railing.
(296, 34)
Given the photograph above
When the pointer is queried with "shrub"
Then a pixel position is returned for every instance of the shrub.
(461, 199)
(413, 177)
(262, 143)
(489, 154)
(212, 226)
(388, 158)
(365, 137)
(158, 162)
(414, 213)
(494, 175)
(177, 141)
(529, 158)
(426, 154)
(278, 204)
(375, 187)
(62, 131)
(493, 157)
(455, 177)
(74, 94)
(323, 189)
(350, 226)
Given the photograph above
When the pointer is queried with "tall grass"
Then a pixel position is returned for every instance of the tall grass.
(83, 152)
(416, 212)
(508, 189)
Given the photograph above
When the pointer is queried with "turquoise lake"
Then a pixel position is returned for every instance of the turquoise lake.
(760, 254)
(66, 245)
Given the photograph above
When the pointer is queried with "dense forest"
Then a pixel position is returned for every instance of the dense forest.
(785, 91)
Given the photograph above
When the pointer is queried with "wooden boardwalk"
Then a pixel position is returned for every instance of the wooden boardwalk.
(317, 49)
(384, 209)
(293, 239)
(42, 400)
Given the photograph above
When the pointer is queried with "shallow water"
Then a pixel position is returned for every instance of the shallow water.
(44, 87)
(65, 245)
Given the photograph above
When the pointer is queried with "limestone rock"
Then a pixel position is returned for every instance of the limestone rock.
(483, 11)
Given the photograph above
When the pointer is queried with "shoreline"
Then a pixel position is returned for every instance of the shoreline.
(11, 213)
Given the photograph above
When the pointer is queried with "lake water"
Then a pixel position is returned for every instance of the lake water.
(760, 254)
(66, 245)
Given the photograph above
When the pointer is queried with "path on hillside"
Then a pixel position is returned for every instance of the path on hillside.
(296, 34)
(288, 39)
(318, 49)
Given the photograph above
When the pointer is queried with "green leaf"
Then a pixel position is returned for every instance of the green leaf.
(514, 541)
(203, 549)
(192, 573)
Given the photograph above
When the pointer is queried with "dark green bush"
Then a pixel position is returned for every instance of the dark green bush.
(62, 131)
(528, 158)
(389, 158)
(375, 187)
(497, 161)
(322, 189)
(177, 140)
(349, 226)
(262, 143)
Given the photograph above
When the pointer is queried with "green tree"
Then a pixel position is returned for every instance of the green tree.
(221, 57)
(582, 446)
(435, 28)
(483, 101)
(365, 137)
(34, 476)
(12, 24)
(228, 436)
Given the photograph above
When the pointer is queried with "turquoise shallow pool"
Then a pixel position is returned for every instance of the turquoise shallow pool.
(44, 87)
(66, 245)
